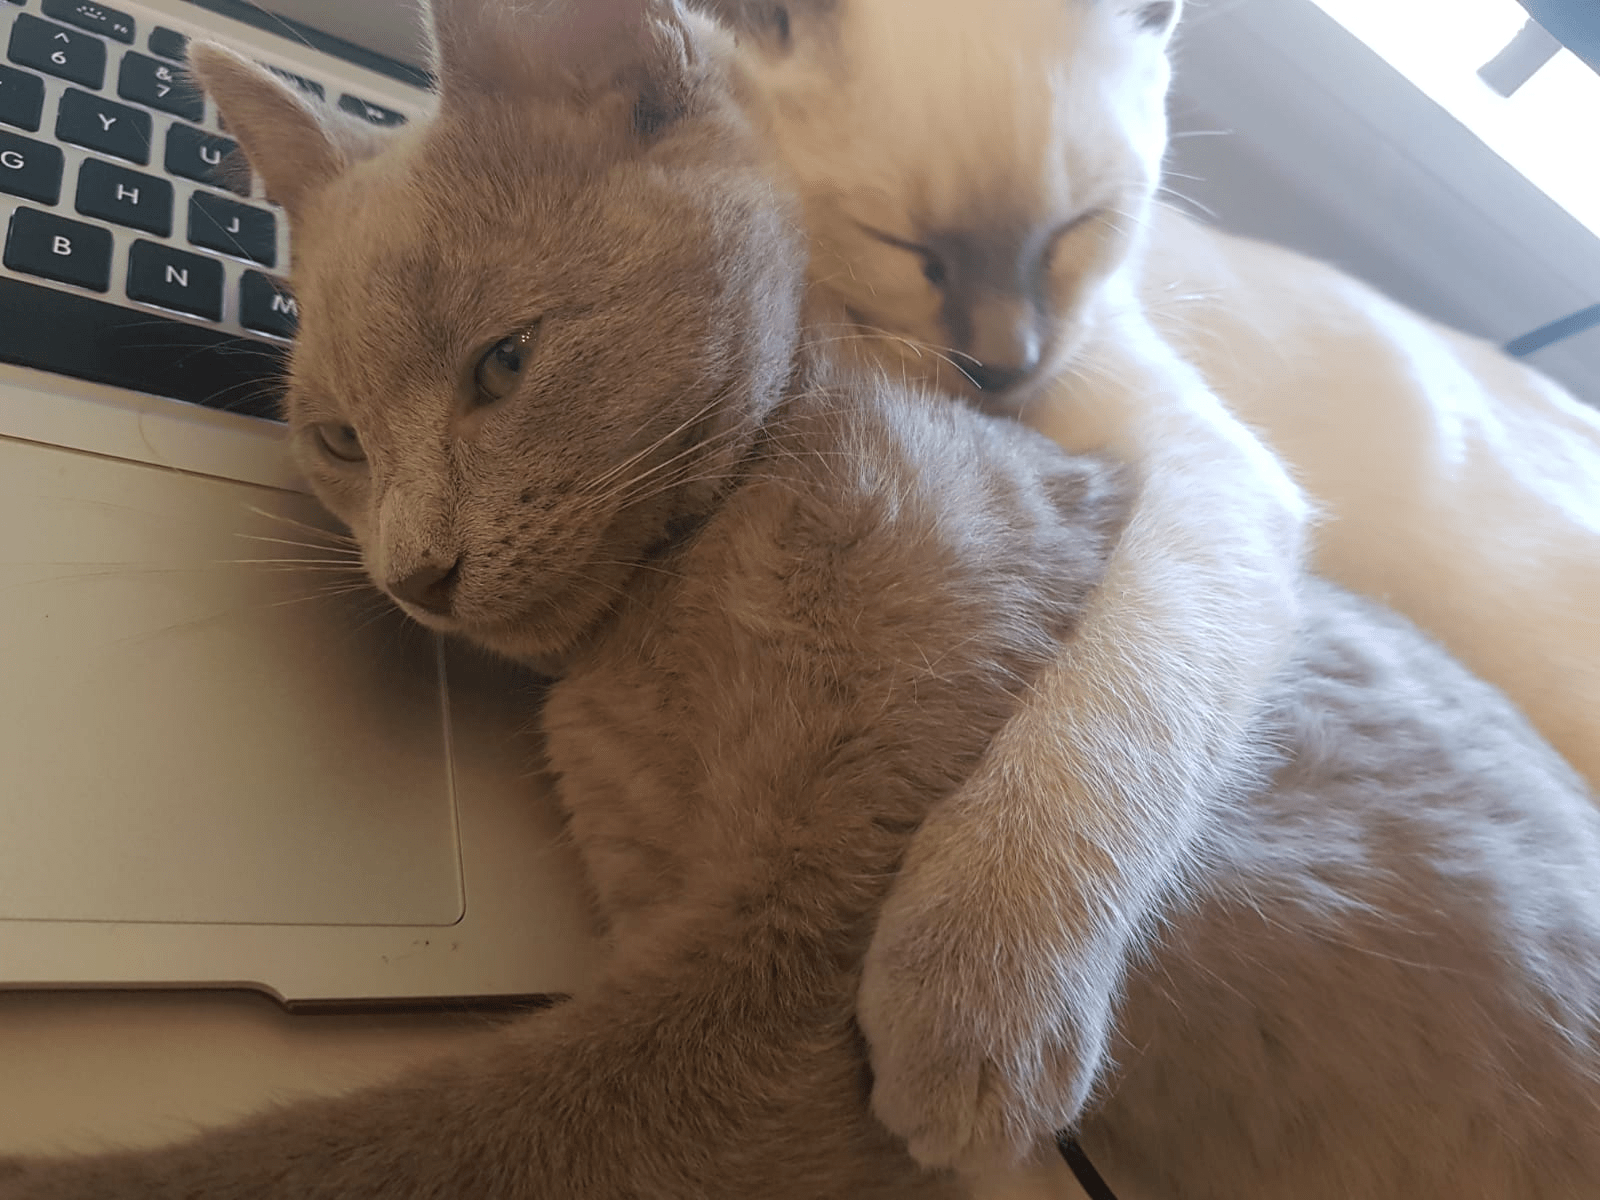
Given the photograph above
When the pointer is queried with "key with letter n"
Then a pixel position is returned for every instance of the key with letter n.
(175, 279)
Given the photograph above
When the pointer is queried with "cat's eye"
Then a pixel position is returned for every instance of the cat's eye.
(781, 29)
(1067, 228)
(934, 269)
(340, 442)
(501, 368)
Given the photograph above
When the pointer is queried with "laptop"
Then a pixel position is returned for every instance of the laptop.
(225, 762)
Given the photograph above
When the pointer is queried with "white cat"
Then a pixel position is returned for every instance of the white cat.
(978, 185)
(972, 176)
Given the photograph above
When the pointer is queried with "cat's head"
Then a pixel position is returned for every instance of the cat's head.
(539, 330)
(972, 172)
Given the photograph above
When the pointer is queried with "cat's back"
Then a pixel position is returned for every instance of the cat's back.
(1387, 980)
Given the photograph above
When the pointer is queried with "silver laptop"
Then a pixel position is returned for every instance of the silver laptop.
(224, 762)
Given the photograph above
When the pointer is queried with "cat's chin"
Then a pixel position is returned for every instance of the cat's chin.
(546, 639)
(906, 356)
(532, 639)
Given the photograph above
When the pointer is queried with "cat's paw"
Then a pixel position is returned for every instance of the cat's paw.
(985, 1011)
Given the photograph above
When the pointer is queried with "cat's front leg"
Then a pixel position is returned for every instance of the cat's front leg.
(991, 980)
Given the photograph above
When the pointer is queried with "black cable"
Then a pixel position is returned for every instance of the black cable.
(1090, 1180)
(1556, 331)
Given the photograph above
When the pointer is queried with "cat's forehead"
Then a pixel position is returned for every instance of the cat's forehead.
(450, 220)
(1009, 119)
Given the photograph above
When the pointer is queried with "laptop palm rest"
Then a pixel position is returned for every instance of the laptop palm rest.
(195, 728)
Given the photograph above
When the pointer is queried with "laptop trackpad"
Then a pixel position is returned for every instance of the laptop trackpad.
(194, 727)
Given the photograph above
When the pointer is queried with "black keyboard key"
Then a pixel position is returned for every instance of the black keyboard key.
(96, 18)
(127, 197)
(175, 279)
(21, 98)
(56, 248)
(30, 169)
(377, 114)
(57, 50)
(160, 85)
(169, 44)
(195, 154)
(133, 348)
(266, 306)
(299, 81)
(238, 229)
(103, 125)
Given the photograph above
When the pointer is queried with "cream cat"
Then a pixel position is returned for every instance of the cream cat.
(1053, 857)
(972, 177)
(978, 184)
(550, 375)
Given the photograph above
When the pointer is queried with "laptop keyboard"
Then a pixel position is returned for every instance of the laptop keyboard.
(128, 259)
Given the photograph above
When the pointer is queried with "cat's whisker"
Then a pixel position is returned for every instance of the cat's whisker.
(623, 494)
(348, 550)
(945, 354)
(638, 566)
(699, 414)
(1188, 200)
(306, 526)
(342, 564)
(665, 486)
(309, 597)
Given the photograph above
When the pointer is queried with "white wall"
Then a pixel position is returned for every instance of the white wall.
(1331, 151)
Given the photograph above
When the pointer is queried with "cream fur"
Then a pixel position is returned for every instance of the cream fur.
(1460, 487)
(1059, 849)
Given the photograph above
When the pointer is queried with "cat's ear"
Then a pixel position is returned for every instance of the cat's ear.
(295, 149)
(1156, 17)
(490, 47)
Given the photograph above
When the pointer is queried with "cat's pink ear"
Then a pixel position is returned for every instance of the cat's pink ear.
(282, 137)
(542, 46)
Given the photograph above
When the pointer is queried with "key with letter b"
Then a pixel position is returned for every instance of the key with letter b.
(56, 248)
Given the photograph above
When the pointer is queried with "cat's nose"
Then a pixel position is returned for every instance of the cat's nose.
(431, 587)
(987, 377)
(1003, 347)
